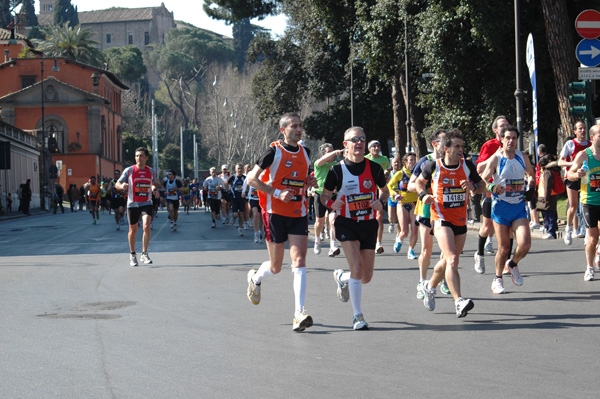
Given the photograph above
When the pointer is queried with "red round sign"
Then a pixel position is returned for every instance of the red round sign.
(587, 24)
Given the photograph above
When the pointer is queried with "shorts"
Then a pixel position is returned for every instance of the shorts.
(238, 205)
(457, 230)
(573, 185)
(118, 202)
(409, 206)
(363, 231)
(173, 202)
(225, 196)
(94, 203)
(591, 215)
(424, 221)
(215, 205)
(486, 207)
(320, 209)
(279, 227)
(505, 213)
(135, 213)
(255, 204)
(392, 203)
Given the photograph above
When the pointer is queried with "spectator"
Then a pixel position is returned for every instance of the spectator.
(58, 197)
(25, 197)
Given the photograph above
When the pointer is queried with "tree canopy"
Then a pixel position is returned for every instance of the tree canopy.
(126, 62)
(74, 43)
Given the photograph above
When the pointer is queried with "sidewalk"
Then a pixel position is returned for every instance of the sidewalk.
(18, 214)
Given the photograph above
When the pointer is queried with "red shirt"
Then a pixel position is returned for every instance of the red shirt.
(488, 149)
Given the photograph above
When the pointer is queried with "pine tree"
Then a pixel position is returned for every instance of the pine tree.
(65, 13)
(31, 18)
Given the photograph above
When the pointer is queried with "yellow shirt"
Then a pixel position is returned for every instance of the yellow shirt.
(402, 177)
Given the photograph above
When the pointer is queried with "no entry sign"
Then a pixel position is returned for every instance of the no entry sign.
(587, 24)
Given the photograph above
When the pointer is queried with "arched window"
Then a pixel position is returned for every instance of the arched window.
(56, 137)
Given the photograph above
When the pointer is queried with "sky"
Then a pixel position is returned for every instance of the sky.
(183, 10)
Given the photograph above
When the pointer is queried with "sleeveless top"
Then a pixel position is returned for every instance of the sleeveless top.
(171, 187)
(288, 171)
(237, 185)
(590, 192)
(140, 186)
(357, 192)
(511, 174)
(94, 192)
(450, 199)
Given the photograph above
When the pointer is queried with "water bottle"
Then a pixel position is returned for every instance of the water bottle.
(586, 169)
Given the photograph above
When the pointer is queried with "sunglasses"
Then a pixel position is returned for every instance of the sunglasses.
(356, 139)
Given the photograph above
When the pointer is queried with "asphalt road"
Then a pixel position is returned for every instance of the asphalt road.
(78, 322)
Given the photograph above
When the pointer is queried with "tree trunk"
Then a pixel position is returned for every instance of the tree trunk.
(417, 123)
(559, 31)
(398, 109)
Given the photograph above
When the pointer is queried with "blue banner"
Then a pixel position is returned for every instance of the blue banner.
(531, 66)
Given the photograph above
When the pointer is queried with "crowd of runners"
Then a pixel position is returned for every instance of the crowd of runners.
(348, 192)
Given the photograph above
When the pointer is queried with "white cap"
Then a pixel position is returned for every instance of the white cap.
(224, 167)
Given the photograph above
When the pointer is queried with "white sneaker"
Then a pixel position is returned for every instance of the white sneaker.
(245, 226)
(145, 258)
(133, 260)
(549, 236)
(589, 274)
(463, 305)
(256, 235)
(343, 293)
(498, 286)
(515, 274)
(317, 248)
(533, 225)
(326, 232)
(489, 248)
(391, 228)
(359, 323)
(479, 263)
(334, 252)
(568, 238)
(428, 295)
(379, 248)
(240, 231)
(118, 227)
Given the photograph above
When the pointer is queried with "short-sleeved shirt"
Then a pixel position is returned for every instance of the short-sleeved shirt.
(488, 149)
(211, 183)
(382, 160)
(321, 174)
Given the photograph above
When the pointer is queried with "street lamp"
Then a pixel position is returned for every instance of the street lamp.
(44, 144)
(216, 84)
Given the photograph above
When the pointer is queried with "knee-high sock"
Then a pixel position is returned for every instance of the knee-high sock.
(263, 271)
(355, 287)
(299, 287)
(481, 245)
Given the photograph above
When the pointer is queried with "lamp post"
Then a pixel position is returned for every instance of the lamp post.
(518, 91)
(216, 84)
(44, 182)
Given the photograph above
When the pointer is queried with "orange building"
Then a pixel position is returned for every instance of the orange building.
(81, 106)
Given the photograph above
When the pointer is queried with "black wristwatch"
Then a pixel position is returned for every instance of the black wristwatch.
(422, 195)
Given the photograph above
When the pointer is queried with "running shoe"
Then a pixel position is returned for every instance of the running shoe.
(397, 246)
(94, 222)
(343, 293)
(463, 305)
(411, 254)
(498, 286)
(245, 226)
(505, 271)
(589, 274)
(240, 231)
(256, 237)
(172, 224)
(420, 294)
(549, 236)
(489, 248)
(379, 248)
(122, 221)
(359, 323)
(428, 295)
(225, 220)
(568, 237)
(334, 252)
(479, 263)
(444, 287)
(515, 274)
(302, 321)
(391, 228)
(597, 260)
(175, 227)
(133, 260)
(261, 235)
(253, 289)
(118, 227)
(213, 226)
(145, 258)
(533, 225)
(317, 248)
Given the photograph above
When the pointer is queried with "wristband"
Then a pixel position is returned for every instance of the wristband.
(277, 193)
(422, 195)
(329, 203)
(490, 187)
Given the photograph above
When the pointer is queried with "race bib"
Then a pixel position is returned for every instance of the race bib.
(359, 204)
(515, 187)
(594, 183)
(142, 189)
(454, 197)
(297, 187)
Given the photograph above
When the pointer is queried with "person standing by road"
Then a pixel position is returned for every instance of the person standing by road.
(25, 197)
(567, 156)
(374, 155)
(282, 192)
(509, 168)
(452, 178)
(357, 181)
(140, 183)
(590, 194)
